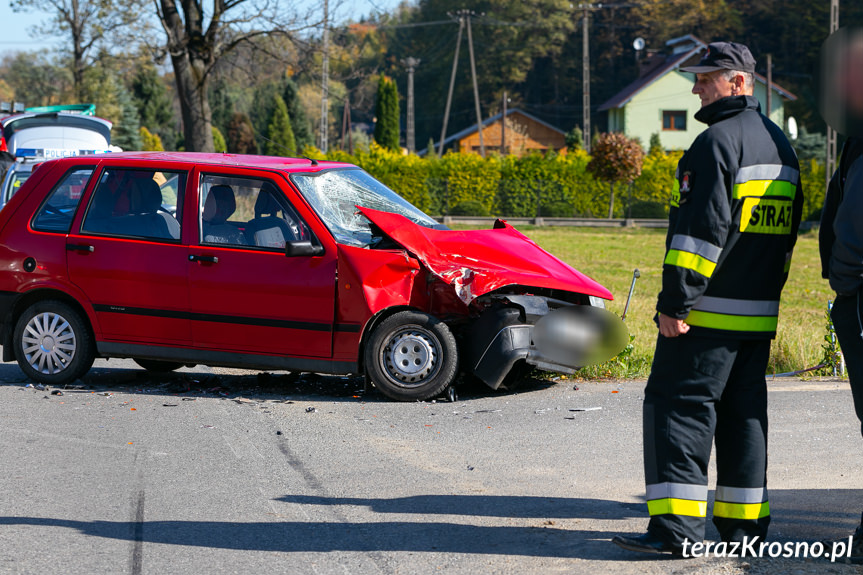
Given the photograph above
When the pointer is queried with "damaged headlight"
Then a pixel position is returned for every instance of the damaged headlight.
(579, 335)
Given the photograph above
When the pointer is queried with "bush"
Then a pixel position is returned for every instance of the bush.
(647, 209)
(557, 209)
(469, 208)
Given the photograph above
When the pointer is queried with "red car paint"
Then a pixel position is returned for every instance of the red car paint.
(247, 306)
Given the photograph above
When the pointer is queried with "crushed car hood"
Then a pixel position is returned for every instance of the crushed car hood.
(481, 261)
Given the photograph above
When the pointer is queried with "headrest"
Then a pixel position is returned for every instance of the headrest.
(266, 204)
(145, 196)
(219, 205)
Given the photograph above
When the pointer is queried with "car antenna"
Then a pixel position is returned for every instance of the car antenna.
(314, 162)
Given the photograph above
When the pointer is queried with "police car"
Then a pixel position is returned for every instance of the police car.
(34, 137)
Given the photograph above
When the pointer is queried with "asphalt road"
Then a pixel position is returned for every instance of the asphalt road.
(232, 472)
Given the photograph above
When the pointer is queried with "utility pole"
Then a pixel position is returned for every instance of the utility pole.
(411, 64)
(831, 133)
(346, 125)
(769, 84)
(325, 80)
(451, 85)
(475, 88)
(585, 72)
(503, 127)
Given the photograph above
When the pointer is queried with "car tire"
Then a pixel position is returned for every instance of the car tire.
(411, 356)
(158, 366)
(52, 343)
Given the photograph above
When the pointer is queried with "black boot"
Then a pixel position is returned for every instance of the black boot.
(647, 543)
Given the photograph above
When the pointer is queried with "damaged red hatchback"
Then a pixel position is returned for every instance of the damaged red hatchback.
(179, 259)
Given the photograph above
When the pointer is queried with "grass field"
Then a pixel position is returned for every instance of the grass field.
(609, 255)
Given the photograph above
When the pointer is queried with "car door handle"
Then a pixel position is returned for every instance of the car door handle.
(79, 248)
(208, 259)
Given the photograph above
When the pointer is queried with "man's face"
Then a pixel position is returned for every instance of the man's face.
(713, 86)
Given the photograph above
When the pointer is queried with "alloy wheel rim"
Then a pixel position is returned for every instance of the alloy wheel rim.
(49, 343)
(411, 356)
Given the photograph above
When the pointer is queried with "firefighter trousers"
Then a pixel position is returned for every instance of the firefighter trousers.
(703, 389)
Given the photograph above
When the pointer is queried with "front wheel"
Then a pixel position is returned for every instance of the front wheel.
(52, 343)
(411, 356)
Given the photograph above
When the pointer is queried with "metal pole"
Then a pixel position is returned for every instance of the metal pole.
(411, 64)
(350, 126)
(503, 128)
(475, 88)
(635, 275)
(325, 79)
(831, 133)
(451, 85)
(585, 66)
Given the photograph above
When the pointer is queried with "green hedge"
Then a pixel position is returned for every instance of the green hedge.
(551, 185)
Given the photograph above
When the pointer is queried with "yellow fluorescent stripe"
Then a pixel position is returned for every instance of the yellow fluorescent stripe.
(759, 188)
(732, 322)
(741, 510)
(675, 194)
(677, 507)
(690, 261)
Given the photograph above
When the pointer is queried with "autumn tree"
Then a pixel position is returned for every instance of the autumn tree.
(241, 135)
(615, 159)
(387, 115)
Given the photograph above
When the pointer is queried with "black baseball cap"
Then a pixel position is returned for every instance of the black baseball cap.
(724, 56)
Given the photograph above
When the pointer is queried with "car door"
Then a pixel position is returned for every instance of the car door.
(245, 294)
(127, 255)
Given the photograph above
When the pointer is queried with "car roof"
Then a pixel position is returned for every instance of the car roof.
(216, 159)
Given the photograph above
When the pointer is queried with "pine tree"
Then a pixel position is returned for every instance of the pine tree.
(126, 133)
(280, 135)
(387, 114)
(299, 119)
(151, 99)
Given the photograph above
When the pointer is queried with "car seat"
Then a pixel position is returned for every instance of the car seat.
(145, 219)
(218, 207)
(268, 229)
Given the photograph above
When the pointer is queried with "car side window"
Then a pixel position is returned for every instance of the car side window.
(137, 203)
(57, 211)
(247, 212)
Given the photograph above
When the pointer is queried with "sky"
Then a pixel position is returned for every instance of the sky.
(18, 27)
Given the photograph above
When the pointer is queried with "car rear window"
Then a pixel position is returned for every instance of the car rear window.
(58, 210)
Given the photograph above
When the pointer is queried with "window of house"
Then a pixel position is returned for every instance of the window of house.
(674, 120)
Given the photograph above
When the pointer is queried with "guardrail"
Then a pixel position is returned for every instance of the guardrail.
(575, 222)
(563, 222)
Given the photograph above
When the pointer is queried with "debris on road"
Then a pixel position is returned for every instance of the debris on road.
(311, 409)
(56, 392)
(169, 405)
(586, 409)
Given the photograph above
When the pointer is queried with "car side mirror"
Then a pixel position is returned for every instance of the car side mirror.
(302, 248)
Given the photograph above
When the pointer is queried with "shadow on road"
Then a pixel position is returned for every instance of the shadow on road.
(282, 385)
(800, 515)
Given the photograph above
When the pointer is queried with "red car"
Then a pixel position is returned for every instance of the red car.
(179, 259)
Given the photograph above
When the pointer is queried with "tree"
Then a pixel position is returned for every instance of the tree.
(34, 79)
(241, 135)
(87, 23)
(615, 159)
(575, 139)
(151, 98)
(126, 133)
(219, 144)
(297, 113)
(198, 38)
(280, 135)
(387, 114)
(150, 142)
(655, 144)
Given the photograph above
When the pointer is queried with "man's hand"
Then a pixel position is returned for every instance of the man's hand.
(672, 327)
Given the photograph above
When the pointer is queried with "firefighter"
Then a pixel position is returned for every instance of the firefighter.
(735, 210)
